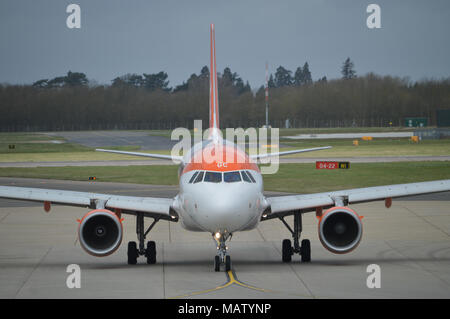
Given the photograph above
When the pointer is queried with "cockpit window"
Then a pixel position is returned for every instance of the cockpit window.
(193, 177)
(231, 177)
(251, 176)
(199, 177)
(213, 177)
(245, 177)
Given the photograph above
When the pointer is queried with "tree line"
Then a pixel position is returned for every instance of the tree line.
(145, 101)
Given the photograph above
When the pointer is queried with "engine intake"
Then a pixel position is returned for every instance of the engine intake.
(340, 230)
(100, 232)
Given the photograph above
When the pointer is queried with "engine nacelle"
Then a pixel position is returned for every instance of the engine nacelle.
(340, 230)
(100, 232)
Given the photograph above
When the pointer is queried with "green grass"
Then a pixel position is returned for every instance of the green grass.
(20, 137)
(153, 174)
(42, 148)
(36, 147)
(376, 147)
(304, 178)
(72, 156)
(294, 178)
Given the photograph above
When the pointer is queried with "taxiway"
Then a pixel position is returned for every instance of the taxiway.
(410, 242)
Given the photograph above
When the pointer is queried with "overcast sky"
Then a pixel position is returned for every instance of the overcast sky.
(145, 36)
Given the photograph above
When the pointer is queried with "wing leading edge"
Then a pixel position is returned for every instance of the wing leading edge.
(283, 204)
(151, 206)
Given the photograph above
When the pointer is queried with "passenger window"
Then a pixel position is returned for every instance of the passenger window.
(199, 177)
(251, 177)
(192, 178)
(213, 177)
(245, 177)
(231, 177)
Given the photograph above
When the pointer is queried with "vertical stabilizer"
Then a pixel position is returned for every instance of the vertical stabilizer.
(213, 96)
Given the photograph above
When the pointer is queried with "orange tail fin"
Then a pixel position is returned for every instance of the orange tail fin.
(213, 95)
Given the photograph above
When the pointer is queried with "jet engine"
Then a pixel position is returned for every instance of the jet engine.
(100, 232)
(340, 230)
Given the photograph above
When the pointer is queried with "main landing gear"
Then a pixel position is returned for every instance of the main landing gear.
(304, 250)
(133, 251)
(222, 257)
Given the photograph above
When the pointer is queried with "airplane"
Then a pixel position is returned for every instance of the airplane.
(220, 198)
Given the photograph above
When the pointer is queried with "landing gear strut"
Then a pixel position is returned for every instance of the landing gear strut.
(304, 250)
(222, 257)
(133, 251)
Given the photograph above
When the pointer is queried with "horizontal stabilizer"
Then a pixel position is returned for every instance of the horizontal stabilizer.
(259, 156)
(160, 156)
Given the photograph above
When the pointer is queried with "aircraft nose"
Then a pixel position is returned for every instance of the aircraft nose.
(219, 212)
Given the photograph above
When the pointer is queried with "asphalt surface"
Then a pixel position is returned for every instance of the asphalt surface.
(117, 138)
(349, 135)
(410, 242)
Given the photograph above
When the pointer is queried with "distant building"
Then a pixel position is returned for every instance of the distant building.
(443, 118)
(416, 121)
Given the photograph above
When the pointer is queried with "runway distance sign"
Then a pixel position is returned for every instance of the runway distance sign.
(332, 165)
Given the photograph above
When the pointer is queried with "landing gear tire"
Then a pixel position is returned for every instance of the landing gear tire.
(286, 251)
(216, 263)
(150, 252)
(132, 253)
(305, 250)
(227, 263)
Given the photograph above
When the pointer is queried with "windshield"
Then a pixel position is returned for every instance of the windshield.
(251, 176)
(245, 177)
(193, 177)
(199, 178)
(231, 177)
(213, 177)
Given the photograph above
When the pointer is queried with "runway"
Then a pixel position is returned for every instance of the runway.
(410, 242)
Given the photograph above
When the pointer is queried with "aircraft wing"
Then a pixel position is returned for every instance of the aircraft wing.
(178, 159)
(284, 205)
(259, 156)
(150, 206)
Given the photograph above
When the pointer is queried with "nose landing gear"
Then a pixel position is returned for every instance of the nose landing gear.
(222, 257)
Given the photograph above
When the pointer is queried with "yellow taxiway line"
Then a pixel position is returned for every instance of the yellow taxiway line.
(232, 280)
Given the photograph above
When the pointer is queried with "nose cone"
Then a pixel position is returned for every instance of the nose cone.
(225, 209)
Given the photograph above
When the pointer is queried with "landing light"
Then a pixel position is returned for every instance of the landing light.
(217, 235)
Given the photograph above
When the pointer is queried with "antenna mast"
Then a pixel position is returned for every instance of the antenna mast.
(267, 95)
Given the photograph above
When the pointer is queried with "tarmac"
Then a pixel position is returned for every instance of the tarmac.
(117, 138)
(349, 135)
(410, 242)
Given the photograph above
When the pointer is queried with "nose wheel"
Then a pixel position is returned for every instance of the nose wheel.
(222, 258)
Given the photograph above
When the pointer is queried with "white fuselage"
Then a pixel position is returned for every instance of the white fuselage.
(220, 206)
